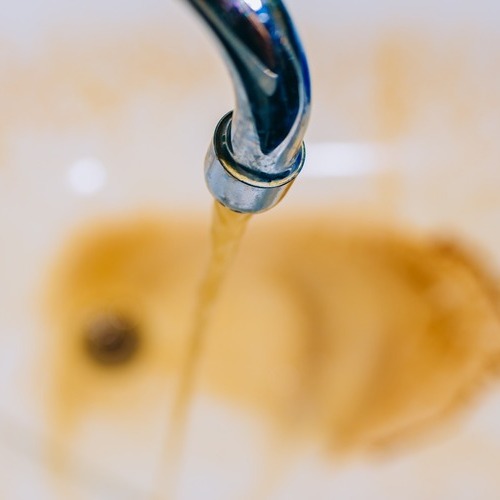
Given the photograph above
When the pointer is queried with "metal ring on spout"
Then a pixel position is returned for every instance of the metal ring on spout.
(258, 150)
(236, 186)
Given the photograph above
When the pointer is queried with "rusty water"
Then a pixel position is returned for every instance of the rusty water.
(227, 230)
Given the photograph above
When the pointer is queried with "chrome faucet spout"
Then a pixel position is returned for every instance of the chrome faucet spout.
(258, 150)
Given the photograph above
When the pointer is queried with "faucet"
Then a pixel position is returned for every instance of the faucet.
(257, 150)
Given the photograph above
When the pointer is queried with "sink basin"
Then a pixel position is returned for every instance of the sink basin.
(107, 113)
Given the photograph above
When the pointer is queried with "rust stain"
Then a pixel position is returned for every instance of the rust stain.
(357, 336)
(393, 64)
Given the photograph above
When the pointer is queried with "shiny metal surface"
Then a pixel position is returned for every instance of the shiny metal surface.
(260, 146)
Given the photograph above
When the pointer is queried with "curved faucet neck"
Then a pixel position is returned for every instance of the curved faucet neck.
(271, 79)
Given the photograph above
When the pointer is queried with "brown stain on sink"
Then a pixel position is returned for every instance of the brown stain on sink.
(79, 81)
(394, 95)
(356, 335)
(378, 86)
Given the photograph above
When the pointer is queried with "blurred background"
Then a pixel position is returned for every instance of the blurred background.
(107, 109)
